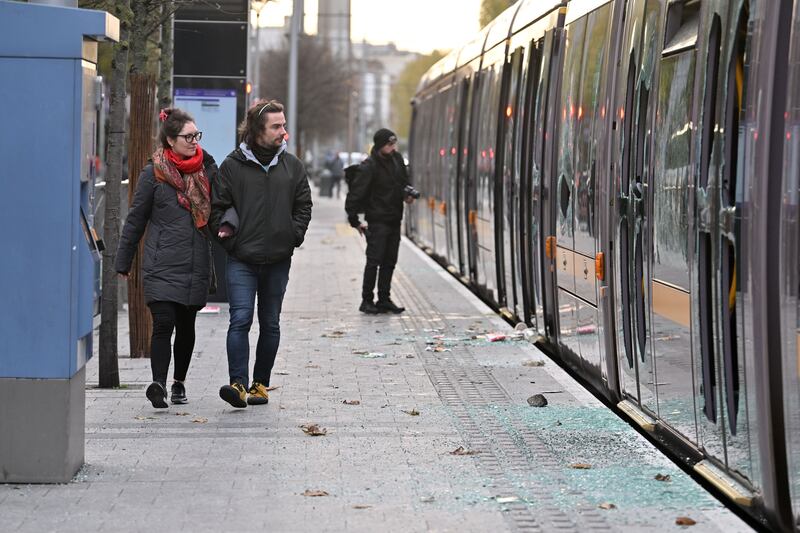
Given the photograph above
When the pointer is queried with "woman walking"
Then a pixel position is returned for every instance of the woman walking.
(173, 201)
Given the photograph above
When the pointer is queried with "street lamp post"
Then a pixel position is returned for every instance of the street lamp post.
(297, 19)
(257, 6)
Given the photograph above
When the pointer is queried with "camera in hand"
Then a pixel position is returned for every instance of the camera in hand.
(411, 192)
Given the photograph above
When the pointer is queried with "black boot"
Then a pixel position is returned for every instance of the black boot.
(157, 394)
(178, 395)
(388, 306)
(369, 308)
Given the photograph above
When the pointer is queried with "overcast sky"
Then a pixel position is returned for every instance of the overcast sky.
(414, 25)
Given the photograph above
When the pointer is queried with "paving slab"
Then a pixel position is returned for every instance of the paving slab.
(397, 395)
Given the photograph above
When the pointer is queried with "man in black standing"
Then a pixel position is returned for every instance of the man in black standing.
(378, 191)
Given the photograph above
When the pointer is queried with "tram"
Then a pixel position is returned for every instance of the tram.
(624, 178)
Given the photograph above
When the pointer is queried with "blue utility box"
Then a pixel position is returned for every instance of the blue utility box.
(48, 57)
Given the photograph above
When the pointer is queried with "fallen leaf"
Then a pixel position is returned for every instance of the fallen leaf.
(684, 521)
(495, 337)
(663, 477)
(334, 334)
(360, 352)
(144, 417)
(200, 420)
(409, 356)
(273, 387)
(533, 363)
(314, 430)
(281, 373)
(412, 412)
(581, 466)
(182, 413)
(607, 506)
(392, 364)
(361, 506)
(427, 499)
(462, 451)
(314, 493)
(351, 402)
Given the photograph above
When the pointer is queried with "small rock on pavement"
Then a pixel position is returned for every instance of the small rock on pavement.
(537, 400)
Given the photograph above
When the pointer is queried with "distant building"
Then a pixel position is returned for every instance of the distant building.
(333, 26)
(375, 67)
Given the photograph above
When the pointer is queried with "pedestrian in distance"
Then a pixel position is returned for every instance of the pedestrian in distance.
(333, 163)
(268, 189)
(378, 189)
(173, 202)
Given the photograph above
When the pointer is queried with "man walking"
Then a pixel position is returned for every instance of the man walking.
(378, 191)
(260, 210)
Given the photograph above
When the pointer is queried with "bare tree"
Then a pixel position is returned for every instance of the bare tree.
(108, 350)
(323, 88)
(166, 56)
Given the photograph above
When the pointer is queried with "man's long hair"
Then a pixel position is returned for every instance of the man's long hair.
(255, 119)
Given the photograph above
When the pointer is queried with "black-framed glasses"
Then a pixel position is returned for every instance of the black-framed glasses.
(192, 137)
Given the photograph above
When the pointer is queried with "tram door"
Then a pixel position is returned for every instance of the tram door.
(641, 46)
(510, 181)
(458, 206)
(790, 275)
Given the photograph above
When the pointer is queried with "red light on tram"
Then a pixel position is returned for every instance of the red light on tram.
(491, 153)
(621, 113)
(788, 136)
(483, 154)
(453, 151)
(508, 112)
(441, 152)
(603, 112)
(755, 135)
(580, 113)
(571, 111)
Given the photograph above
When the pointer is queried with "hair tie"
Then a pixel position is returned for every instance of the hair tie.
(162, 116)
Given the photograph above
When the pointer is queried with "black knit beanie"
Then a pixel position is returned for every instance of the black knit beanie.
(383, 137)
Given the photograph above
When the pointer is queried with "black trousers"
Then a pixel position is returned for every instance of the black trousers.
(169, 317)
(383, 242)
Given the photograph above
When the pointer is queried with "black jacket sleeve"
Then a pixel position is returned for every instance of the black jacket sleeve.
(301, 210)
(221, 197)
(357, 193)
(135, 224)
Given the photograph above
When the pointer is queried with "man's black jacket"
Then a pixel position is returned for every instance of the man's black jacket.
(377, 190)
(273, 207)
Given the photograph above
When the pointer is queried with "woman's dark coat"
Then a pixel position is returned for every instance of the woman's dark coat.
(176, 254)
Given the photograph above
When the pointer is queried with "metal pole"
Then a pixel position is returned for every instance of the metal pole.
(297, 16)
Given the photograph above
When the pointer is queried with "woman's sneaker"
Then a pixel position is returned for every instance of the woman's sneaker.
(258, 394)
(157, 394)
(178, 394)
(235, 394)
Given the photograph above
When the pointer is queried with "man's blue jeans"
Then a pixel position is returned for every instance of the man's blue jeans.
(244, 281)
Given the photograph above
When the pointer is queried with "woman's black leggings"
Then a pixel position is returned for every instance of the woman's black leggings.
(169, 316)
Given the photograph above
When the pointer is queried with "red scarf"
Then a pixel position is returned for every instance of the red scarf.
(188, 178)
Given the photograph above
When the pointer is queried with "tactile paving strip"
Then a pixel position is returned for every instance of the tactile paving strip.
(507, 451)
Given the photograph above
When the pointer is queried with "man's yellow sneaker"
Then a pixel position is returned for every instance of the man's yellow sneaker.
(234, 394)
(258, 394)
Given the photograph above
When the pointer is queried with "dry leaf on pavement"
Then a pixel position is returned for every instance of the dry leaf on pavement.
(314, 493)
(684, 521)
(182, 413)
(273, 387)
(607, 506)
(314, 430)
(412, 412)
(663, 477)
(335, 334)
(351, 402)
(200, 420)
(580, 466)
(463, 451)
(361, 506)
